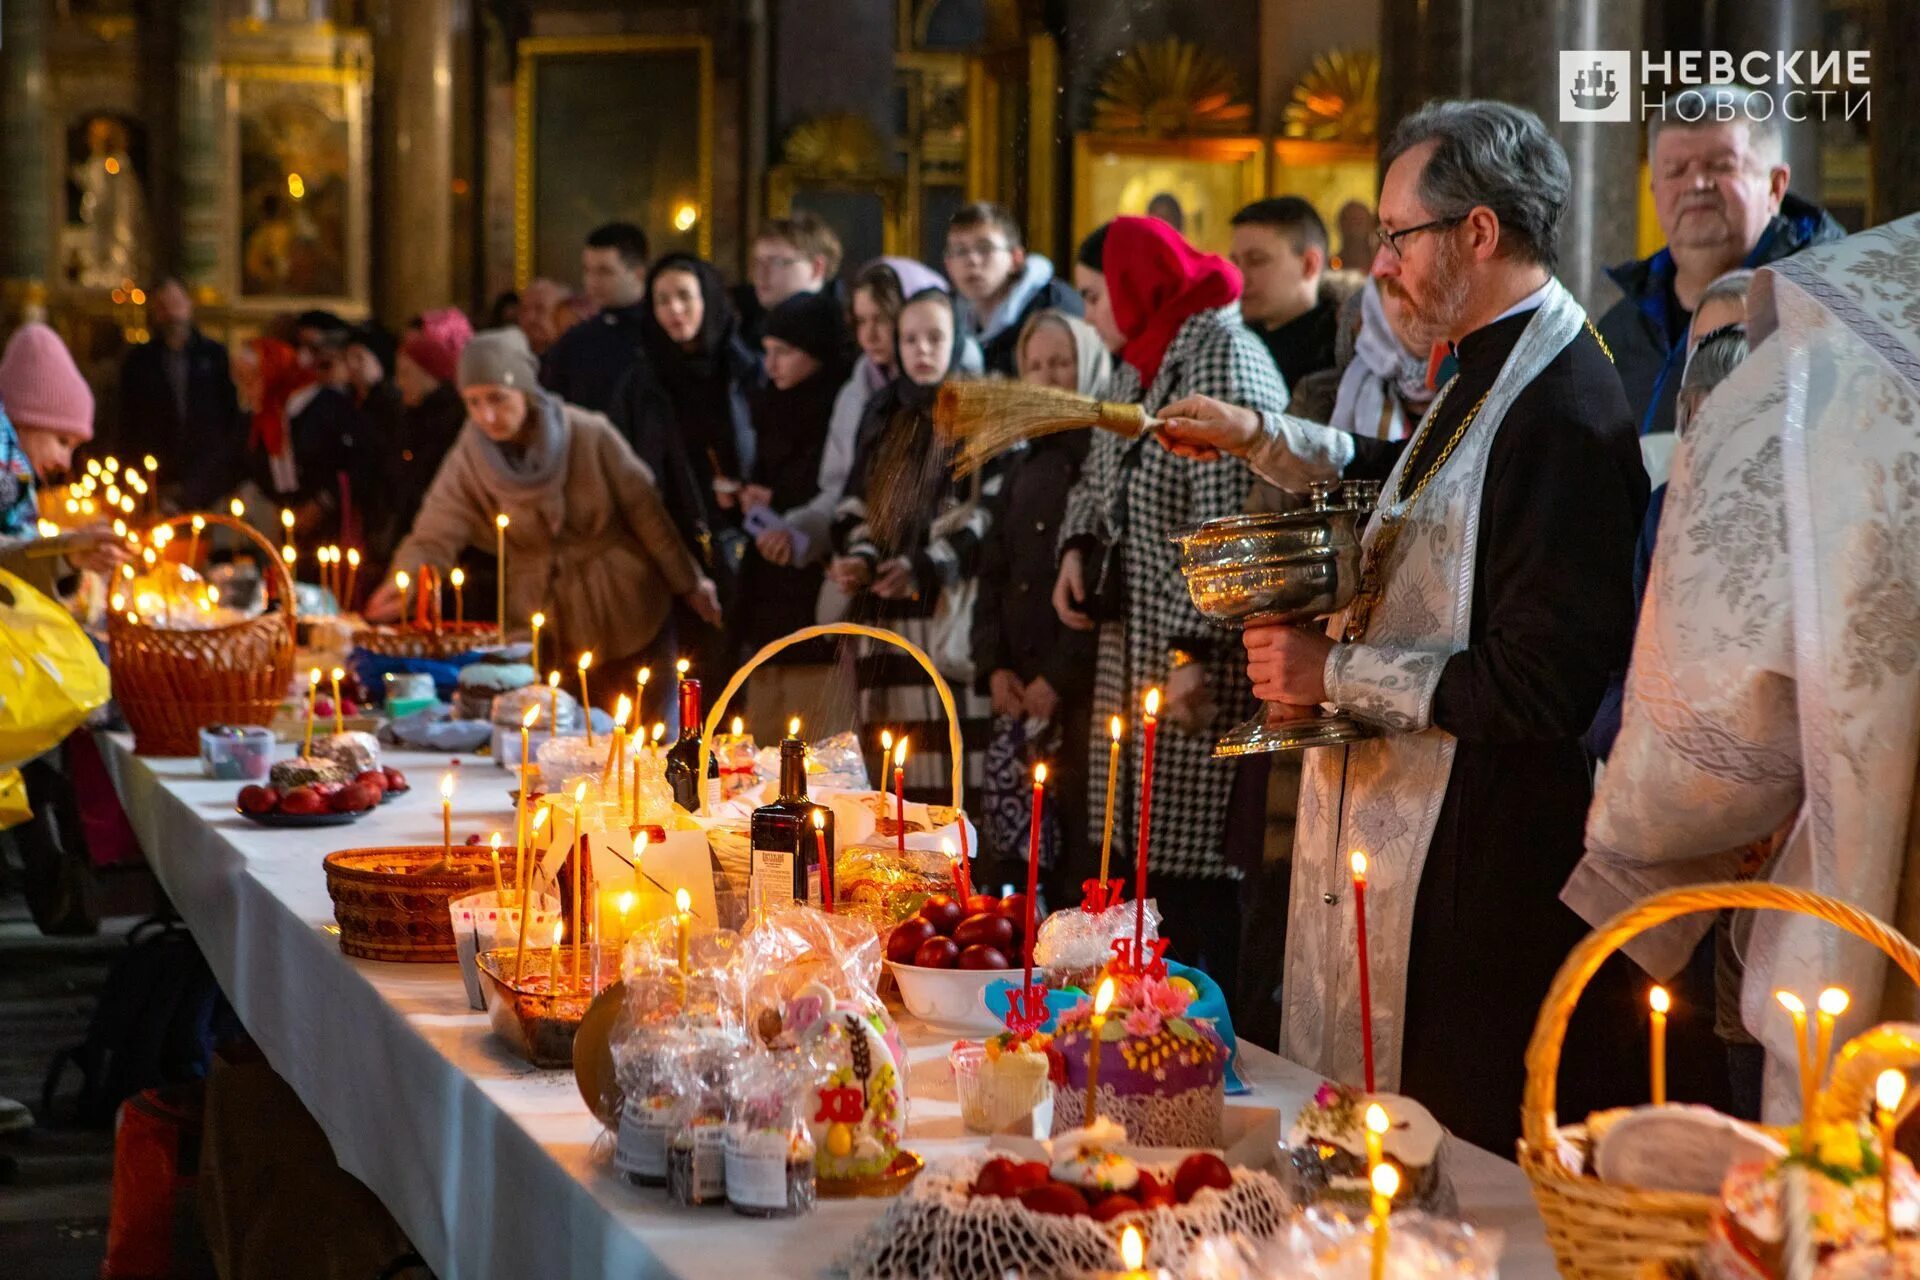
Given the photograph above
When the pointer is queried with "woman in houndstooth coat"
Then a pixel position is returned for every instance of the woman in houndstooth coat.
(1171, 315)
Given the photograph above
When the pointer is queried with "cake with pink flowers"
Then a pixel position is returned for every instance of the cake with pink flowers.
(1162, 1074)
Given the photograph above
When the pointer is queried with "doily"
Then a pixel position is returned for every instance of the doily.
(1189, 1119)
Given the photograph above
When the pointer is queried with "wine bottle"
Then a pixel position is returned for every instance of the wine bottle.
(683, 757)
(785, 853)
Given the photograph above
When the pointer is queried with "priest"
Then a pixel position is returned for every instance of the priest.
(1495, 599)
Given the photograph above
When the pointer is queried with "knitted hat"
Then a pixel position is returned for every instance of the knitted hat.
(437, 344)
(812, 322)
(40, 387)
(499, 358)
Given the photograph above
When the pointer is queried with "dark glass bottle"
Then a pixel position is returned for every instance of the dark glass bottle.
(785, 859)
(683, 757)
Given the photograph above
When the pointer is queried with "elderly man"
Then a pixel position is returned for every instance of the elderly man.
(1720, 193)
(1496, 597)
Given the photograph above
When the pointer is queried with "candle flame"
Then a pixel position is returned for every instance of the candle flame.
(640, 843)
(1114, 727)
(659, 731)
(559, 931)
(540, 816)
(682, 900)
(533, 714)
(336, 674)
(1039, 775)
(1357, 863)
(625, 903)
(401, 580)
(1386, 1180)
(287, 553)
(645, 674)
(682, 667)
(199, 524)
(286, 517)
(313, 677)
(113, 464)
(539, 619)
(820, 820)
(1377, 1121)
(886, 742)
(1133, 1249)
(580, 794)
(500, 521)
(93, 466)
(1834, 1002)
(446, 786)
(495, 842)
(621, 710)
(237, 508)
(1659, 1000)
(793, 727)
(1889, 1087)
(458, 577)
(150, 463)
(586, 660)
(119, 527)
(1153, 703)
(353, 557)
(1103, 998)
(900, 753)
(1791, 1003)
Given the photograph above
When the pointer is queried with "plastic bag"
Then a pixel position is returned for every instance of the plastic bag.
(51, 676)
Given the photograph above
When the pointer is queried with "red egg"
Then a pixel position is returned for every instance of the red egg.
(396, 780)
(1014, 908)
(942, 912)
(303, 800)
(1055, 1198)
(373, 778)
(981, 904)
(1027, 1174)
(985, 930)
(1113, 1206)
(992, 1178)
(983, 957)
(937, 953)
(1198, 1171)
(257, 799)
(906, 939)
(357, 798)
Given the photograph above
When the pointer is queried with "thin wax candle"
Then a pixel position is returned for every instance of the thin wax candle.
(538, 620)
(1115, 727)
(586, 701)
(1658, 1003)
(500, 523)
(459, 580)
(1033, 870)
(339, 711)
(1797, 1010)
(1102, 1001)
(1889, 1088)
(1358, 865)
(900, 791)
(1150, 726)
(313, 695)
(446, 814)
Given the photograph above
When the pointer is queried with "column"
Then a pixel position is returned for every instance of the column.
(198, 146)
(25, 236)
(1743, 26)
(1425, 49)
(1894, 133)
(413, 137)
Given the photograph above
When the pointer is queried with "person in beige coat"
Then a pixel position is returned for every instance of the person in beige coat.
(589, 541)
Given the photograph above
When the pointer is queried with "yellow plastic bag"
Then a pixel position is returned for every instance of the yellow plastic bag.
(14, 808)
(51, 676)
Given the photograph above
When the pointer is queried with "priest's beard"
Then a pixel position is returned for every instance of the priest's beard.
(1437, 313)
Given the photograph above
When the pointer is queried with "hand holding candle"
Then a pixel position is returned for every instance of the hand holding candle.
(1659, 1002)
(1357, 864)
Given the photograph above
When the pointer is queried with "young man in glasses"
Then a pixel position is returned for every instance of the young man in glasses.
(796, 254)
(998, 283)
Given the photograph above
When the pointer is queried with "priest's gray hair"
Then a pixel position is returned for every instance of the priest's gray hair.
(1494, 155)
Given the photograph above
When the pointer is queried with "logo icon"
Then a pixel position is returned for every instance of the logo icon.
(1596, 85)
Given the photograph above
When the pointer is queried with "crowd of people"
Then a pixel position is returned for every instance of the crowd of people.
(696, 469)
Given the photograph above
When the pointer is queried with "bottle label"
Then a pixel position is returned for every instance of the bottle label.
(641, 1147)
(757, 1179)
(709, 1160)
(770, 883)
(713, 794)
(814, 897)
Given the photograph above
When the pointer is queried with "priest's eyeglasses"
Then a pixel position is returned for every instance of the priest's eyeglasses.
(1390, 240)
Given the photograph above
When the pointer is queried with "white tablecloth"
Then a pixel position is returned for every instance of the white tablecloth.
(489, 1165)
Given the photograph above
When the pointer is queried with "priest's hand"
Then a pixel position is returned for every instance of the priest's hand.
(1203, 428)
(1287, 664)
(1008, 693)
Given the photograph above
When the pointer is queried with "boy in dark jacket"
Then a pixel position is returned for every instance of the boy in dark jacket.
(998, 284)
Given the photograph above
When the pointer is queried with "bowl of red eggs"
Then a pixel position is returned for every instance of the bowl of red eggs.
(945, 955)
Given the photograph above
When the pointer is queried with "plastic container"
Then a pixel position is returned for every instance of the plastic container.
(953, 1000)
(242, 754)
(481, 924)
(999, 1097)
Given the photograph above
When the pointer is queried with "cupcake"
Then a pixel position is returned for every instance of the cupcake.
(1001, 1081)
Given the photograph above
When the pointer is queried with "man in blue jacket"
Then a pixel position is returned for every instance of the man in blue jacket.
(1720, 194)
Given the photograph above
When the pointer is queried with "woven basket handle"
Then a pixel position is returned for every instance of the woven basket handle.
(241, 526)
(1550, 1029)
(717, 716)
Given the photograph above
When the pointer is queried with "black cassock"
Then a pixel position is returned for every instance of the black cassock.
(1552, 620)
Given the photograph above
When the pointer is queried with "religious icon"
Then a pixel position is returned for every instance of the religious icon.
(104, 242)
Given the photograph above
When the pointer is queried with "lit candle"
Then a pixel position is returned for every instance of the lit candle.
(553, 701)
(526, 904)
(1102, 1001)
(826, 860)
(579, 855)
(237, 509)
(288, 556)
(339, 715)
(286, 526)
(402, 581)
(1133, 1252)
(193, 543)
(313, 695)
(499, 885)
(1832, 1003)
(621, 710)
(1377, 1125)
(112, 464)
(524, 875)
(353, 574)
(586, 703)
(500, 571)
(459, 580)
(634, 813)
(900, 791)
(1357, 864)
(446, 813)
(659, 732)
(640, 679)
(966, 865)
(1797, 1010)
(625, 901)
(1889, 1088)
(960, 893)
(640, 841)
(1386, 1185)
(539, 620)
(1151, 723)
(1033, 869)
(1114, 728)
(682, 921)
(1659, 1001)
(553, 956)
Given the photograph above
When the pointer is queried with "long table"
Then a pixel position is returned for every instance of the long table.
(493, 1168)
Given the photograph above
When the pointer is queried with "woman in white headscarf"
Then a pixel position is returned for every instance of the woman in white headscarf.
(1385, 389)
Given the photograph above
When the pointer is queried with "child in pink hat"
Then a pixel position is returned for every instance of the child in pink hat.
(46, 411)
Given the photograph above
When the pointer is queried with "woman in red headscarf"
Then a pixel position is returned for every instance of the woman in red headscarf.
(1171, 316)
(300, 444)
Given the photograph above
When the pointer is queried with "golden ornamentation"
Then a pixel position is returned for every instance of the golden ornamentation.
(844, 144)
(1338, 99)
(1166, 87)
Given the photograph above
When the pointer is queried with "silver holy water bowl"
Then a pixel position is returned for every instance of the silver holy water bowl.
(1284, 568)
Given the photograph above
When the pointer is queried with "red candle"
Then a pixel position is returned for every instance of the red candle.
(900, 792)
(1358, 862)
(1140, 837)
(966, 872)
(826, 863)
(1033, 866)
(960, 893)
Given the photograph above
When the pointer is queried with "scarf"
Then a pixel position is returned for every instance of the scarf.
(1093, 363)
(539, 458)
(1380, 367)
(700, 382)
(280, 376)
(1157, 282)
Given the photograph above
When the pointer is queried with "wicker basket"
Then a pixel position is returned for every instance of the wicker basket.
(171, 683)
(1600, 1231)
(437, 643)
(391, 904)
